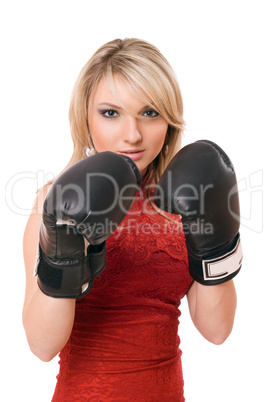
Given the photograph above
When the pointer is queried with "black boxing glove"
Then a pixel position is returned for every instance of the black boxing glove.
(200, 185)
(89, 200)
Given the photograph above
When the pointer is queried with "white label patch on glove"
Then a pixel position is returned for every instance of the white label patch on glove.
(221, 267)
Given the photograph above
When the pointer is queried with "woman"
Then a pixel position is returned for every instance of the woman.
(119, 342)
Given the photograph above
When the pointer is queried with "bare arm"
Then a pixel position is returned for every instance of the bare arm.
(47, 321)
(212, 309)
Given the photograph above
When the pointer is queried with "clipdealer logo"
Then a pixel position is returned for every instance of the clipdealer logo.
(251, 196)
(250, 189)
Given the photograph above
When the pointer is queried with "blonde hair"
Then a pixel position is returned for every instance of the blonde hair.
(148, 74)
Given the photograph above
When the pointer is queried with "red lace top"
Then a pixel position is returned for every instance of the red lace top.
(124, 345)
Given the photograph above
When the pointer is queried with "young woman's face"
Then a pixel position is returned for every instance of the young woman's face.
(113, 129)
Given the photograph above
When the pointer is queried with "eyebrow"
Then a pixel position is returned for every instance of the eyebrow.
(110, 105)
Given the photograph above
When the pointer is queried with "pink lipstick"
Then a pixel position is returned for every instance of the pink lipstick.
(134, 154)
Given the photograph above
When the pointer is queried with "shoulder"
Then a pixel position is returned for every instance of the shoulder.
(39, 199)
(36, 212)
(31, 233)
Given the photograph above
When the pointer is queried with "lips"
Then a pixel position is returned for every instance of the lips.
(134, 154)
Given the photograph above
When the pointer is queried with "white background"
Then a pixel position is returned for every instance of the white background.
(219, 53)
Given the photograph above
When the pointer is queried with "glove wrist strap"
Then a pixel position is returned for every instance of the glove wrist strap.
(220, 269)
(73, 277)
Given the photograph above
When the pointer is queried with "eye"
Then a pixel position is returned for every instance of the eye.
(108, 113)
(151, 113)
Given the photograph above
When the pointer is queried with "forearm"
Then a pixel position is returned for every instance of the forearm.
(212, 309)
(48, 323)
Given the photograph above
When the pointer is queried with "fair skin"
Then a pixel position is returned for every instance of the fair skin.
(113, 129)
(48, 321)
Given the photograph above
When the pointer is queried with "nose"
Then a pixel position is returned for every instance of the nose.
(132, 133)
